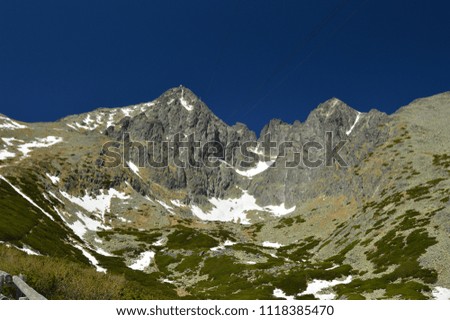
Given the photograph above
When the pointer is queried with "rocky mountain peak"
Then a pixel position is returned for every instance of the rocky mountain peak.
(275, 127)
(333, 115)
(332, 108)
(183, 98)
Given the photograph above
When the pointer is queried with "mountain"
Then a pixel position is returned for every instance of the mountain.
(347, 205)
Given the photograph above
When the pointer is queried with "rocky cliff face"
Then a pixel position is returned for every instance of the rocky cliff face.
(361, 197)
(180, 112)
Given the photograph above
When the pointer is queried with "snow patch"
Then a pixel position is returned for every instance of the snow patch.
(89, 223)
(25, 249)
(126, 111)
(228, 209)
(91, 124)
(124, 220)
(274, 245)
(100, 204)
(91, 258)
(280, 210)
(259, 168)
(227, 243)
(78, 228)
(39, 143)
(134, 168)
(165, 205)
(81, 126)
(10, 124)
(54, 196)
(5, 154)
(87, 124)
(236, 209)
(177, 203)
(168, 281)
(278, 293)
(29, 251)
(54, 179)
(184, 103)
(110, 120)
(71, 126)
(102, 252)
(333, 267)
(88, 120)
(440, 293)
(9, 141)
(62, 215)
(316, 286)
(256, 150)
(143, 261)
(159, 243)
(82, 225)
(354, 124)
(218, 248)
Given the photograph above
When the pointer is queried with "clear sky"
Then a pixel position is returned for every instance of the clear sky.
(250, 61)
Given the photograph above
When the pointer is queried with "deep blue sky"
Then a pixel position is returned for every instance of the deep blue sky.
(250, 61)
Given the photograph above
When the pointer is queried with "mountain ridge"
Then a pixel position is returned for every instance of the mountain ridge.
(380, 218)
(168, 94)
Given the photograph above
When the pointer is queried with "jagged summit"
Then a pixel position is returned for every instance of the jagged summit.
(184, 101)
(333, 107)
(180, 91)
(334, 114)
(174, 105)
